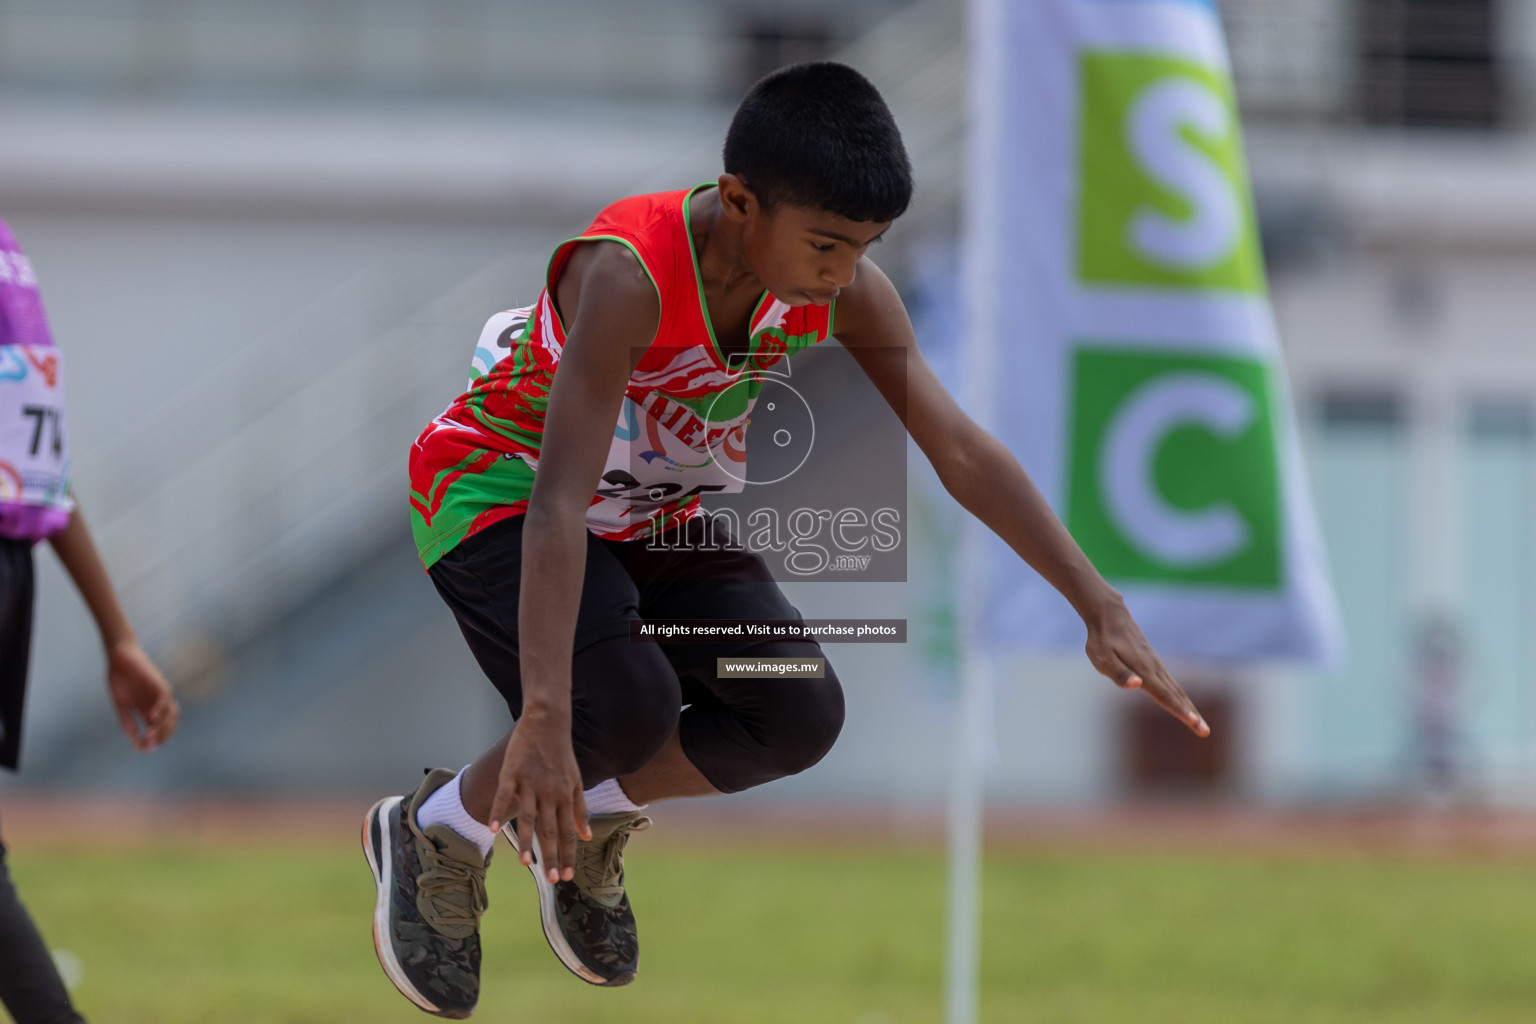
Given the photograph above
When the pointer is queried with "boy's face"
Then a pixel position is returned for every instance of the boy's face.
(803, 255)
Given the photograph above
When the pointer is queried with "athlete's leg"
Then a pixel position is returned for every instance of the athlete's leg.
(667, 776)
(625, 696)
(737, 732)
(625, 700)
(743, 732)
(30, 987)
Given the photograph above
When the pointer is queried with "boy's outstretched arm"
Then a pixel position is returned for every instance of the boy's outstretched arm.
(146, 707)
(985, 478)
(612, 313)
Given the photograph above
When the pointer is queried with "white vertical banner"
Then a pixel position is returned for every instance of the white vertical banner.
(1116, 289)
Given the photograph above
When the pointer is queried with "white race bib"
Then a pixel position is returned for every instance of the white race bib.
(650, 469)
(34, 455)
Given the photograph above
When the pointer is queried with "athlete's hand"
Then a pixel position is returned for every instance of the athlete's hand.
(146, 707)
(1117, 648)
(540, 786)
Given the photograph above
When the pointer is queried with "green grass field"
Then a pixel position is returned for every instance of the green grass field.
(281, 934)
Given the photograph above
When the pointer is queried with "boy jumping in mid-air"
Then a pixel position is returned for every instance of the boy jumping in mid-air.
(532, 513)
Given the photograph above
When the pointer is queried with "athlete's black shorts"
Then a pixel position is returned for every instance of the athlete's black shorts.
(628, 696)
(16, 584)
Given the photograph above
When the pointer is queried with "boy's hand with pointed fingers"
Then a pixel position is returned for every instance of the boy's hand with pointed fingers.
(540, 787)
(1117, 648)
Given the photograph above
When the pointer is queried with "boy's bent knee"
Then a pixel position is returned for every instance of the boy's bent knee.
(776, 729)
(806, 727)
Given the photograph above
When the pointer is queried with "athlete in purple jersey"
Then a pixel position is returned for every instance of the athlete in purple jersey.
(35, 504)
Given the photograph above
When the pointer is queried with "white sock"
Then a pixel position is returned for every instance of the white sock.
(446, 807)
(609, 798)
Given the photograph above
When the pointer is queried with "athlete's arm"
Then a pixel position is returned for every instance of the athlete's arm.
(146, 708)
(612, 312)
(984, 477)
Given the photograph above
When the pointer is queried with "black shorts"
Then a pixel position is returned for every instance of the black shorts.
(627, 695)
(16, 589)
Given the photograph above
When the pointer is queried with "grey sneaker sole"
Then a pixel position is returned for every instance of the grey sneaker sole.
(378, 846)
(550, 920)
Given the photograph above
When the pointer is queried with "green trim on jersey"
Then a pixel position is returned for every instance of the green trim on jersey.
(549, 285)
(698, 279)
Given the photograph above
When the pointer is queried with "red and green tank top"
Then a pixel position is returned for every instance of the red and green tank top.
(681, 431)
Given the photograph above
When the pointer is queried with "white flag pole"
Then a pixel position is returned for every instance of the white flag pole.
(967, 786)
(971, 737)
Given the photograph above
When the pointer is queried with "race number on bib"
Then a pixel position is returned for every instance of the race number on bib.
(649, 470)
(34, 455)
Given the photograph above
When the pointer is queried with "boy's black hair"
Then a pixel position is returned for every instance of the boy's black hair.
(819, 135)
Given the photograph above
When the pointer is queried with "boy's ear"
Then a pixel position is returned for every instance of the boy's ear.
(737, 200)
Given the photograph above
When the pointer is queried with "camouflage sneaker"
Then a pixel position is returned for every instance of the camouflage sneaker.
(431, 893)
(587, 921)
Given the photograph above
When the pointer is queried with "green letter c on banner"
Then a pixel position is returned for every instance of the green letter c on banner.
(1173, 474)
(1183, 538)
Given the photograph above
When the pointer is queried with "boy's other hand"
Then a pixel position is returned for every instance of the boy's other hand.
(1117, 648)
(540, 786)
(146, 707)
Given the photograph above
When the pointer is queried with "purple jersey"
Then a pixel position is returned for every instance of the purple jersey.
(34, 460)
